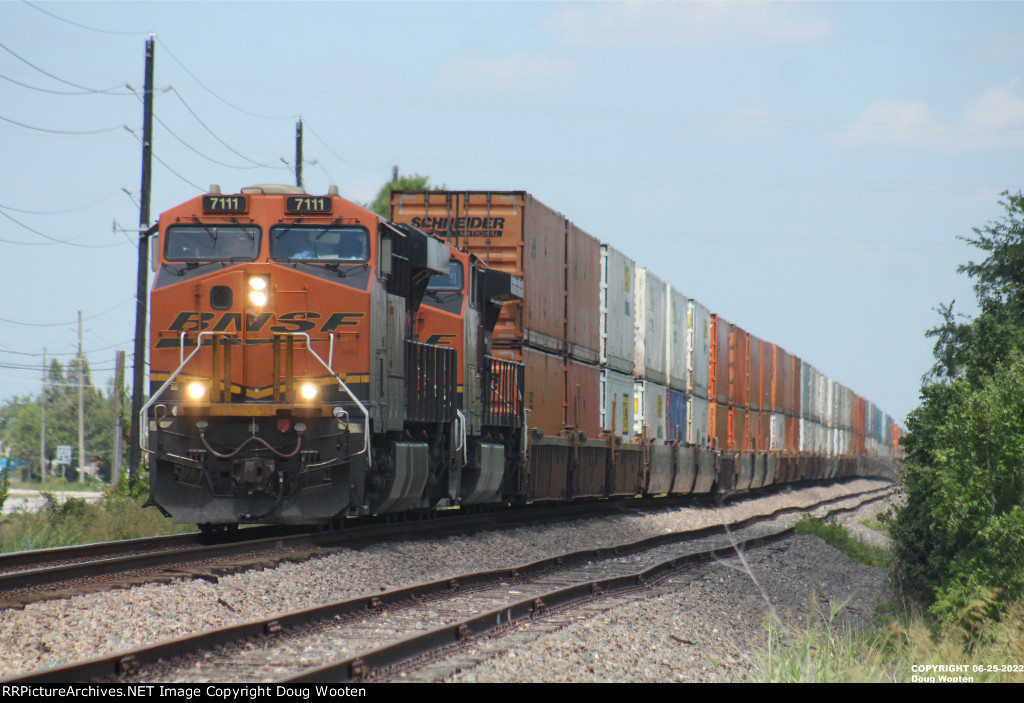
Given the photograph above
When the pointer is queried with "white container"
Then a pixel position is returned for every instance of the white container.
(617, 403)
(618, 279)
(697, 420)
(650, 407)
(651, 299)
(778, 432)
(676, 339)
(698, 348)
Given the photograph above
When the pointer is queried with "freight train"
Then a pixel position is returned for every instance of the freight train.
(311, 360)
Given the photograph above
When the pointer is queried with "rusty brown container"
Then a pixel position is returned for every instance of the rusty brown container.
(739, 366)
(544, 391)
(584, 397)
(767, 376)
(719, 424)
(764, 434)
(511, 231)
(719, 375)
(779, 376)
(754, 355)
(792, 433)
(738, 433)
(583, 304)
(795, 389)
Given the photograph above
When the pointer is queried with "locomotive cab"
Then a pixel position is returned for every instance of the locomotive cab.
(296, 373)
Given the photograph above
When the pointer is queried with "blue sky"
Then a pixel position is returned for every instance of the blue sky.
(804, 169)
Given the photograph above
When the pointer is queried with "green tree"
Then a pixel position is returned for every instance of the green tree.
(382, 203)
(961, 530)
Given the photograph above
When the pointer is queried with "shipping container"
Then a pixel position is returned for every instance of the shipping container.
(617, 403)
(754, 373)
(697, 410)
(510, 231)
(718, 425)
(584, 397)
(618, 321)
(544, 391)
(767, 376)
(650, 407)
(739, 366)
(698, 345)
(583, 295)
(676, 351)
(719, 364)
(650, 302)
(677, 406)
(777, 440)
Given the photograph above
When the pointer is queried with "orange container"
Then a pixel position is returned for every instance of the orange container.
(510, 231)
(739, 366)
(754, 354)
(544, 390)
(767, 376)
(583, 393)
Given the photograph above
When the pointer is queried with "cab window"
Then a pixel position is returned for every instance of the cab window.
(450, 282)
(324, 244)
(212, 243)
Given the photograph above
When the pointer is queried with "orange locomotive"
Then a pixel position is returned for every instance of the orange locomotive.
(310, 360)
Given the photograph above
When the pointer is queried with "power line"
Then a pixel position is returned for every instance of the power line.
(211, 92)
(65, 324)
(166, 165)
(228, 146)
(106, 91)
(53, 240)
(57, 212)
(62, 131)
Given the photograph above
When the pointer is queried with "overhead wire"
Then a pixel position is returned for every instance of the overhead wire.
(62, 131)
(80, 26)
(53, 240)
(106, 91)
(67, 324)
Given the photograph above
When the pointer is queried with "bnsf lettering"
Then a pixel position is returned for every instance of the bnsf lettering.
(463, 226)
(441, 339)
(286, 322)
(296, 322)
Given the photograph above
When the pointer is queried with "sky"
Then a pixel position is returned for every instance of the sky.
(806, 170)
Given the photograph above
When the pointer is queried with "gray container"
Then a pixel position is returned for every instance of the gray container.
(697, 421)
(617, 403)
(676, 350)
(698, 348)
(650, 296)
(618, 279)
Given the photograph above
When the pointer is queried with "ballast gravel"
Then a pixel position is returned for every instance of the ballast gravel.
(701, 627)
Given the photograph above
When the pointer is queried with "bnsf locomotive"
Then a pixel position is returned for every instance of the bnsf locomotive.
(311, 360)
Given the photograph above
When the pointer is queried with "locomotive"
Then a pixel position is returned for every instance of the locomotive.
(311, 360)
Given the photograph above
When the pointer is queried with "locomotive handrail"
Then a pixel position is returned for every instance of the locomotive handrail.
(144, 436)
(366, 413)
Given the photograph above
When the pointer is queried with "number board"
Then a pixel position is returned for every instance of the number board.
(224, 203)
(306, 203)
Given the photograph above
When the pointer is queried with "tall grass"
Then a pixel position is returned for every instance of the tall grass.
(75, 521)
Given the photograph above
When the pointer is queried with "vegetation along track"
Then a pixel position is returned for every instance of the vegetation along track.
(363, 636)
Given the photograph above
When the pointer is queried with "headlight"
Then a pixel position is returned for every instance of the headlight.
(308, 390)
(196, 390)
(258, 286)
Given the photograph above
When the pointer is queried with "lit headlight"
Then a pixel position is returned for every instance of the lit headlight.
(196, 390)
(308, 390)
(258, 286)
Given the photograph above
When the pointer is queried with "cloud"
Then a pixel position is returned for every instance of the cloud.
(683, 26)
(522, 73)
(993, 120)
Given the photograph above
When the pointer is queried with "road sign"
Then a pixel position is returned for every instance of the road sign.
(64, 454)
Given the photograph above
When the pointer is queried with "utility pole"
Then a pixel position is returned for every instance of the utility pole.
(115, 469)
(298, 153)
(139, 362)
(81, 404)
(42, 435)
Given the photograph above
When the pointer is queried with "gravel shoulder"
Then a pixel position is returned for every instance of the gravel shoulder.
(715, 609)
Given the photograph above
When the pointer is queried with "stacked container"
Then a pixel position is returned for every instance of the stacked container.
(617, 346)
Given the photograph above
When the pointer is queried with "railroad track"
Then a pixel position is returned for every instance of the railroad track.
(48, 574)
(367, 637)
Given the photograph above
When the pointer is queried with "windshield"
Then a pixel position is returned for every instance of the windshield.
(452, 282)
(212, 243)
(312, 243)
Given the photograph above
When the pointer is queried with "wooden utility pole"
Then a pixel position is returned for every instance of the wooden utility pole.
(115, 468)
(142, 283)
(42, 434)
(81, 404)
(298, 153)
